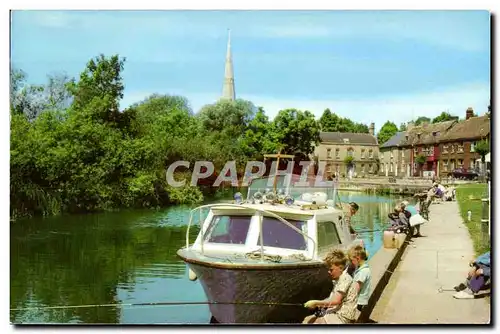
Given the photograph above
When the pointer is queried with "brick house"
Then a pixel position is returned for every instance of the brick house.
(393, 159)
(335, 146)
(457, 145)
(424, 140)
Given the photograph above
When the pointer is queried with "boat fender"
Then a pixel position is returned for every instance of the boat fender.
(192, 275)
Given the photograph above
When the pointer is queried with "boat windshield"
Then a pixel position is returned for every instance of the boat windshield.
(277, 234)
(307, 189)
(231, 229)
(226, 229)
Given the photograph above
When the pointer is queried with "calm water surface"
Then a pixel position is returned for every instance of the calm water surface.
(126, 257)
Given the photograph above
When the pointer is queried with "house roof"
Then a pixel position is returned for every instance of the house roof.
(348, 138)
(394, 140)
(427, 133)
(474, 127)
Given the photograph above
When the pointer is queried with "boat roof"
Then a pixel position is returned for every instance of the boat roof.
(283, 209)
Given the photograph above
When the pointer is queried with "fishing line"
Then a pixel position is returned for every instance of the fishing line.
(152, 304)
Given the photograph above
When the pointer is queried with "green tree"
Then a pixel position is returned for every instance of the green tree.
(403, 127)
(387, 130)
(256, 140)
(482, 148)
(330, 122)
(348, 160)
(443, 117)
(229, 118)
(100, 84)
(421, 120)
(25, 99)
(58, 97)
(420, 160)
(295, 131)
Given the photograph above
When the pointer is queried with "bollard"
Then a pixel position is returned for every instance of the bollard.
(485, 221)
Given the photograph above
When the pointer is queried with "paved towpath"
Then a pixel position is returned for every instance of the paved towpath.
(438, 259)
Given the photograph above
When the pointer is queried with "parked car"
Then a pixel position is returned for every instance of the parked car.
(464, 173)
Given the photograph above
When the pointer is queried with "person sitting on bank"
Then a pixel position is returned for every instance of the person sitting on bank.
(411, 211)
(448, 194)
(340, 306)
(362, 276)
(438, 191)
(477, 277)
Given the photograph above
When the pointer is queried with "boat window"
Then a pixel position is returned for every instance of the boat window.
(328, 236)
(229, 229)
(278, 234)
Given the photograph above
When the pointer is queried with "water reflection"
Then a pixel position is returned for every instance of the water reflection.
(126, 257)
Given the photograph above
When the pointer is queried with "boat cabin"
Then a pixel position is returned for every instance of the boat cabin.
(289, 223)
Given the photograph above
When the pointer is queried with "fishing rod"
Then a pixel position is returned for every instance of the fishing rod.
(153, 304)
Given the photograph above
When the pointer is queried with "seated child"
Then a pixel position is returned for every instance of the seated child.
(340, 306)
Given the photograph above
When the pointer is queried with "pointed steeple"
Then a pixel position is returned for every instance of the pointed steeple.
(228, 88)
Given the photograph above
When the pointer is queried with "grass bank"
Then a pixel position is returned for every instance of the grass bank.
(469, 198)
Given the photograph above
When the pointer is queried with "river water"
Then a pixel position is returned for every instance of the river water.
(123, 258)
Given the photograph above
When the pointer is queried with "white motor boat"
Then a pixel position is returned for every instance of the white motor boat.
(260, 258)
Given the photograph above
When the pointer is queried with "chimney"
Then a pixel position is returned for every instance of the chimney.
(469, 113)
(372, 129)
(409, 126)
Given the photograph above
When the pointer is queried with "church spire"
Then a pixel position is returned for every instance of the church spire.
(228, 88)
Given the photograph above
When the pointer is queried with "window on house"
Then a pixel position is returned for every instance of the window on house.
(472, 146)
(415, 150)
(471, 163)
(362, 154)
(370, 166)
(328, 153)
(452, 164)
(370, 154)
(362, 167)
(445, 165)
(350, 153)
(381, 167)
(460, 163)
(445, 148)
(452, 148)
(337, 153)
(460, 148)
(430, 151)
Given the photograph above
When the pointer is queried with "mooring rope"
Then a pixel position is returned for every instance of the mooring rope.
(153, 304)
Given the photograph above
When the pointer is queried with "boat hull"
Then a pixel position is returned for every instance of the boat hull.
(251, 290)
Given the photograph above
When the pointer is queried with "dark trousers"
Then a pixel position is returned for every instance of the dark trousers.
(476, 283)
